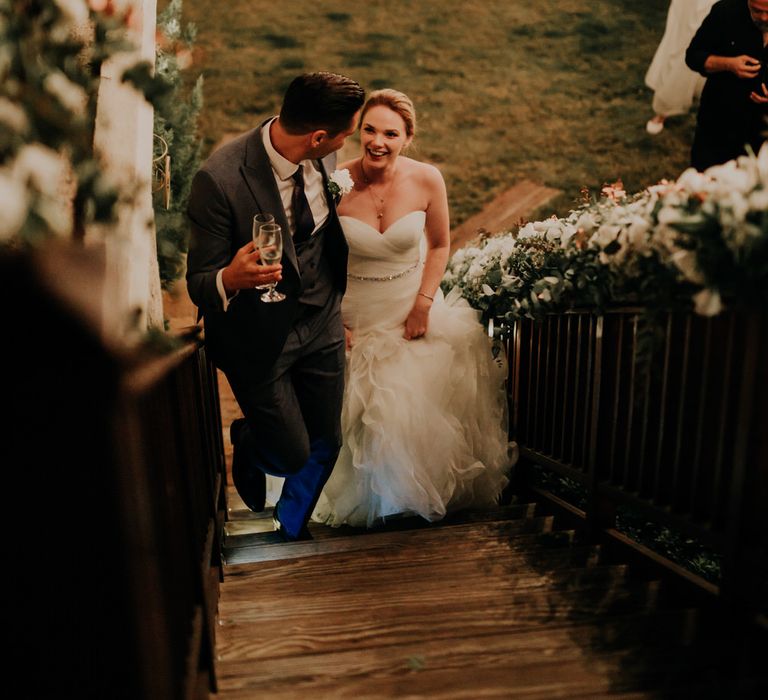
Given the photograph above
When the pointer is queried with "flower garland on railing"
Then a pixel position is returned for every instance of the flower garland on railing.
(699, 242)
(51, 52)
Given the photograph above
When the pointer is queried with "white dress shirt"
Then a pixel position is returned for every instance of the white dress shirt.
(283, 170)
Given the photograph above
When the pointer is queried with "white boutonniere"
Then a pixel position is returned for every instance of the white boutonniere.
(340, 182)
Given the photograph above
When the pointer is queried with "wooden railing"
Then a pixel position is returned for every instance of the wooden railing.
(682, 439)
(169, 428)
(114, 505)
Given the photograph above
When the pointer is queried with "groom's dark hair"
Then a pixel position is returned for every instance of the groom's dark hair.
(320, 101)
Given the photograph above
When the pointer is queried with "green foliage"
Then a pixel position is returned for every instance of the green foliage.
(176, 122)
(51, 53)
(672, 544)
(685, 551)
(699, 242)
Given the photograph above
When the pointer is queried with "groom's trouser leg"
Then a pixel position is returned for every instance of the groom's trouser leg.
(293, 415)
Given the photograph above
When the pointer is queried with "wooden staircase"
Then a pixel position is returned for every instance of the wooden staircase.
(494, 604)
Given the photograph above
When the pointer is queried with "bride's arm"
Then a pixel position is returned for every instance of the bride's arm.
(438, 246)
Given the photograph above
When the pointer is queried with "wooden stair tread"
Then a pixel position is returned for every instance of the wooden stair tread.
(495, 604)
(504, 211)
(523, 662)
(247, 522)
(347, 566)
(306, 629)
(512, 649)
(450, 578)
(260, 547)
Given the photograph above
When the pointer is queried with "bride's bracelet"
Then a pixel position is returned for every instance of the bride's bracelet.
(421, 294)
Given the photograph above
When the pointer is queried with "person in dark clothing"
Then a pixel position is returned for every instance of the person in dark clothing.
(729, 49)
(284, 361)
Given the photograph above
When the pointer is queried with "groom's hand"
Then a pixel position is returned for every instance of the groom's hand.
(245, 271)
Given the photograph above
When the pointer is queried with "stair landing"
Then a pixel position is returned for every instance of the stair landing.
(489, 604)
(505, 211)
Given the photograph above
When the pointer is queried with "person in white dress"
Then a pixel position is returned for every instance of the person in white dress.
(424, 413)
(674, 85)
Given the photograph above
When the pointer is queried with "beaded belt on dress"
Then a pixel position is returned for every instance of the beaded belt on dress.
(387, 278)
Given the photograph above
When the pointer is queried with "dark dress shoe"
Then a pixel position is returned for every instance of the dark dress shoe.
(303, 535)
(249, 480)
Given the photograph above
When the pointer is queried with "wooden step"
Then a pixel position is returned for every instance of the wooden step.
(508, 650)
(265, 546)
(498, 604)
(348, 565)
(504, 212)
(298, 625)
(243, 524)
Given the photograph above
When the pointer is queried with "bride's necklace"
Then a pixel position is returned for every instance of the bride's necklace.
(378, 200)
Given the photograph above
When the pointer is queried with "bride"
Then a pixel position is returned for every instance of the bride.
(424, 418)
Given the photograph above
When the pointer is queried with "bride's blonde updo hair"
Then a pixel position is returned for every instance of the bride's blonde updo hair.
(398, 102)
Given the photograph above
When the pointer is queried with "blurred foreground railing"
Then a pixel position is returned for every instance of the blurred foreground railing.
(113, 474)
(168, 429)
(681, 439)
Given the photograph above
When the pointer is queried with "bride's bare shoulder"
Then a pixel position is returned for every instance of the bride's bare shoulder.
(425, 173)
(421, 169)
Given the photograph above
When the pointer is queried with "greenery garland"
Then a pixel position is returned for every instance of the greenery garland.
(51, 52)
(700, 242)
(176, 122)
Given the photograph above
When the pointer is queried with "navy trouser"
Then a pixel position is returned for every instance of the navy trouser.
(294, 414)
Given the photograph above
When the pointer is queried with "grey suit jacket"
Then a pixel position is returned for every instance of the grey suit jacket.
(235, 183)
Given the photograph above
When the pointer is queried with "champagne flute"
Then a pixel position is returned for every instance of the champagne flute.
(258, 221)
(270, 243)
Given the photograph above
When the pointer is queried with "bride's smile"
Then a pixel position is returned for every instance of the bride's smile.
(383, 136)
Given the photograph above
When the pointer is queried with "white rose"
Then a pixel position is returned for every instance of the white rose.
(605, 235)
(569, 231)
(694, 181)
(708, 302)
(758, 200)
(762, 163)
(586, 222)
(13, 116)
(636, 232)
(14, 203)
(71, 95)
(527, 231)
(685, 261)
(475, 272)
(57, 214)
(343, 179)
(42, 167)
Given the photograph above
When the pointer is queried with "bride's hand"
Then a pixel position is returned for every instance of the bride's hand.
(348, 337)
(418, 320)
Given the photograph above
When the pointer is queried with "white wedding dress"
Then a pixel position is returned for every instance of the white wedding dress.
(675, 85)
(424, 421)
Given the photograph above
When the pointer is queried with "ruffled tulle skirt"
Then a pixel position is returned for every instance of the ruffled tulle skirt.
(424, 421)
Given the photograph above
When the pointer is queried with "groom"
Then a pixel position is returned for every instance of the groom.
(284, 360)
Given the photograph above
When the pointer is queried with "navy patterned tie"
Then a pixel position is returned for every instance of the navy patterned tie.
(304, 222)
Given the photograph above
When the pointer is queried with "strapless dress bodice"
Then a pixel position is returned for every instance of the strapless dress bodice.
(372, 253)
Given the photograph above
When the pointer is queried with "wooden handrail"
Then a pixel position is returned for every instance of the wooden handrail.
(680, 439)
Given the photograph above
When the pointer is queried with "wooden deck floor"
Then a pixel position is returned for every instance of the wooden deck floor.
(483, 605)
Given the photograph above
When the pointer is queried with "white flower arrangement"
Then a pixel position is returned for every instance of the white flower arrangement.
(340, 182)
(52, 182)
(702, 238)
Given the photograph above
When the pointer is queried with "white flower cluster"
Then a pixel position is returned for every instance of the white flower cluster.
(670, 223)
(340, 182)
(39, 179)
(35, 181)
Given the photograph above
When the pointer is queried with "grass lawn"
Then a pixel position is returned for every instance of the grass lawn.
(505, 90)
